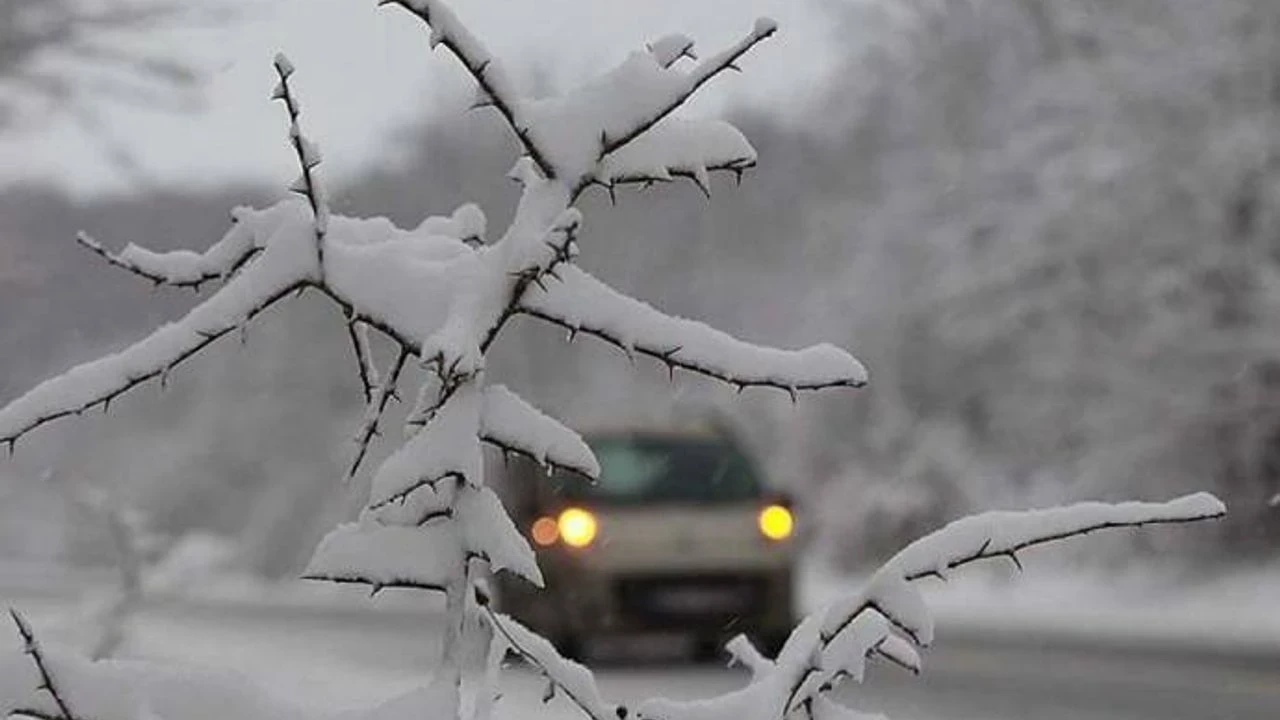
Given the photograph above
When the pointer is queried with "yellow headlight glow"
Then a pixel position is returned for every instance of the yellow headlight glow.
(776, 522)
(577, 527)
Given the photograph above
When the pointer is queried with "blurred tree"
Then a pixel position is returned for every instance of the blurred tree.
(67, 56)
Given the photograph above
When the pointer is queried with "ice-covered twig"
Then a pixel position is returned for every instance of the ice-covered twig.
(308, 154)
(703, 72)
(31, 647)
(573, 680)
(581, 303)
(381, 397)
(495, 88)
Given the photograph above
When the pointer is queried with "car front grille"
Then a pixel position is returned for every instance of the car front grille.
(691, 598)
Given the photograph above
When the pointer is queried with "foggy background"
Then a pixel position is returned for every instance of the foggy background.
(1051, 228)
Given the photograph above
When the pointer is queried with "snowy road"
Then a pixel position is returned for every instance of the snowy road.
(350, 658)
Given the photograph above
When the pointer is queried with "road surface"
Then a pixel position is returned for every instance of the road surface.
(349, 658)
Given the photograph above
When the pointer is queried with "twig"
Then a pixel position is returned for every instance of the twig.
(47, 683)
(381, 398)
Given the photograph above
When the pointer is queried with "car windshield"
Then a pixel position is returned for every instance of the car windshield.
(640, 469)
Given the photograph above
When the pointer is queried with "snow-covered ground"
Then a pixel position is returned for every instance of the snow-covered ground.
(1236, 611)
(1072, 646)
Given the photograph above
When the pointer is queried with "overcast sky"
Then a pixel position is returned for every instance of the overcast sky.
(365, 71)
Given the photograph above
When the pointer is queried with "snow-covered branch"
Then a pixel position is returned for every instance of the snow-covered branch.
(184, 268)
(308, 154)
(100, 381)
(888, 616)
(675, 94)
(574, 681)
(358, 335)
(495, 87)
(678, 147)
(581, 303)
(48, 683)
(513, 425)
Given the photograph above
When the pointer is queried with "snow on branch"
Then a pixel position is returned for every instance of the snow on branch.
(95, 383)
(581, 303)
(184, 268)
(1005, 533)
(48, 683)
(575, 681)
(652, 109)
(308, 153)
(513, 425)
(888, 617)
(677, 147)
(495, 87)
(446, 447)
(386, 556)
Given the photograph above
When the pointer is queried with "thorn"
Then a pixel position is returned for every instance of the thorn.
(671, 371)
(376, 588)
(613, 194)
(733, 67)
(737, 176)
(791, 390)
(740, 387)
(571, 335)
(298, 293)
(13, 444)
(1014, 557)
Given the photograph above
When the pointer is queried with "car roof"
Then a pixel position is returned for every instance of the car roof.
(674, 431)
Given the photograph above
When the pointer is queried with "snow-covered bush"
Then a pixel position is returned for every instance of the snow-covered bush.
(439, 295)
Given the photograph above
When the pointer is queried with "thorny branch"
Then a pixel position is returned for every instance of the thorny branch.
(985, 552)
(357, 333)
(85, 240)
(377, 406)
(705, 71)
(47, 683)
(669, 356)
(308, 185)
(206, 338)
(448, 31)
(500, 624)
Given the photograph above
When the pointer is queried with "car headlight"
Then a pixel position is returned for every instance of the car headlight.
(775, 522)
(577, 527)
